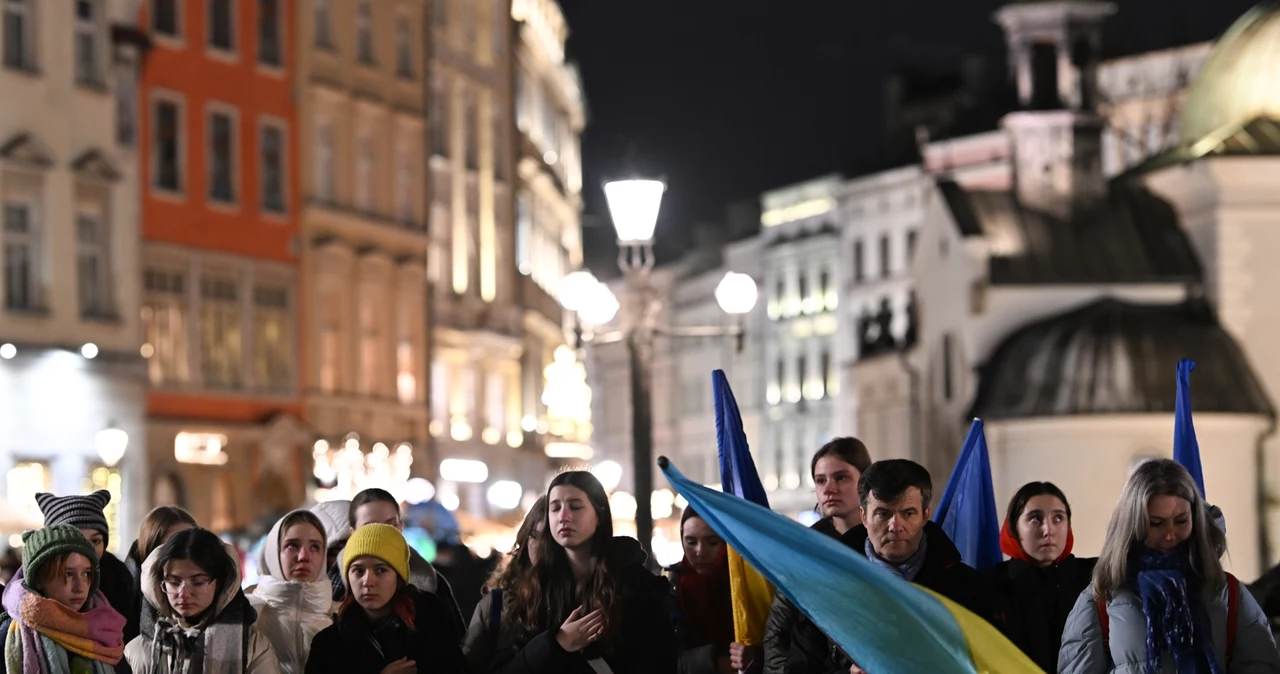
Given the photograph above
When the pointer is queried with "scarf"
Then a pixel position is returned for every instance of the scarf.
(907, 570)
(217, 645)
(47, 637)
(1010, 545)
(706, 604)
(1177, 623)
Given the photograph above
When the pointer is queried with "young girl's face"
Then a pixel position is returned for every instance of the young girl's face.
(572, 518)
(373, 582)
(189, 588)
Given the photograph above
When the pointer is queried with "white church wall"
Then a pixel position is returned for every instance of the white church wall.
(1091, 457)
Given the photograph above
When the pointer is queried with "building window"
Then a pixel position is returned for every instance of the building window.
(440, 13)
(19, 34)
(271, 147)
(165, 18)
(439, 392)
(501, 24)
(21, 257)
(324, 160)
(221, 350)
(524, 233)
(272, 367)
(406, 379)
(370, 347)
(806, 302)
(164, 318)
(91, 265)
(88, 42)
(404, 183)
(404, 48)
(168, 146)
(825, 385)
(911, 245)
(269, 33)
(437, 107)
(364, 172)
(222, 157)
(884, 256)
(857, 261)
(364, 32)
(330, 341)
(23, 482)
(469, 122)
(222, 25)
(495, 405)
(948, 364)
(323, 23)
(499, 148)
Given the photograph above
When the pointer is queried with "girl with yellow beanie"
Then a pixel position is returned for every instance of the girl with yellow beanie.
(385, 625)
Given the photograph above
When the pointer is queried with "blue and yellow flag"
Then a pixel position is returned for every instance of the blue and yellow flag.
(1186, 449)
(884, 623)
(752, 594)
(967, 510)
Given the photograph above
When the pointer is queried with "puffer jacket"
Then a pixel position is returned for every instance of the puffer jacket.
(227, 638)
(290, 613)
(783, 616)
(1082, 650)
(1032, 603)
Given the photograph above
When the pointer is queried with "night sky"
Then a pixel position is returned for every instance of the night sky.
(728, 98)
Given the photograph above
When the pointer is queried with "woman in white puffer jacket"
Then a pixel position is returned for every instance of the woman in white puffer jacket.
(293, 597)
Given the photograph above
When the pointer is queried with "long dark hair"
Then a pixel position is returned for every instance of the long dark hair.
(507, 575)
(553, 589)
(849, 450)
(370, 495)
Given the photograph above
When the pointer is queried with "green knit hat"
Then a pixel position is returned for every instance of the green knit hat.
(42, 545)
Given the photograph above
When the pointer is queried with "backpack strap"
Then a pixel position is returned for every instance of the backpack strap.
(1233, 608)
(1104, 621)
(495, 614)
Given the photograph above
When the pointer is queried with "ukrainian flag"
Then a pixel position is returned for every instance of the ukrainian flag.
(1186, 449)
(884, 623)
(752, 594)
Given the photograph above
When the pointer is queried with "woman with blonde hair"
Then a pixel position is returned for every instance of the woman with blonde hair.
(1160, 601)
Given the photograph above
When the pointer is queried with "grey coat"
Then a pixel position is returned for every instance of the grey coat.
(1082, 651)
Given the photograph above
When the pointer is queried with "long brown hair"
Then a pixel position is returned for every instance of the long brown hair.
(517, 564)
(156, 524)
(551, 594)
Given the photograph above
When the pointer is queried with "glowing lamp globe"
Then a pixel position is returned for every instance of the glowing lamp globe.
(736, 293)
(634, 205)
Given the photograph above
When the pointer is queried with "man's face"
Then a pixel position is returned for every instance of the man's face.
(896, 527)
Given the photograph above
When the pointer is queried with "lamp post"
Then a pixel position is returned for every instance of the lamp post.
(111, 443)
(634, 205)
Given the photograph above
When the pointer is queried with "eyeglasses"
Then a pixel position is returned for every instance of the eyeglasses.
(196, 585)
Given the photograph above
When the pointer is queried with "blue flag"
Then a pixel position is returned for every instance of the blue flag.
(1186, 450)
(865, 610)
(967, 511)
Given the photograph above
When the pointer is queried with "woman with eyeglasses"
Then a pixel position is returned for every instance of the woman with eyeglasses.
(202, 622)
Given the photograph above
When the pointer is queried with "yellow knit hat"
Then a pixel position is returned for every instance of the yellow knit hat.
(378, 540)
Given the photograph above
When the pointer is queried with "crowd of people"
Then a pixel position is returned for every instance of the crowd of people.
(342, 591)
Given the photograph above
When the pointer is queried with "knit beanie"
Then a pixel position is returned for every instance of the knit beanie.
(42, 545)
(81, 512)
(378, 540)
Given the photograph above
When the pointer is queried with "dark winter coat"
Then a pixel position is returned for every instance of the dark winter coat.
(943, 572)
(1031, 603)
(122, 592)
(356, 646)
(699, 658)
(644, 642)
(783, 616)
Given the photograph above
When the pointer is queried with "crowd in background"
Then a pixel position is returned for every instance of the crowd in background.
(340, 589)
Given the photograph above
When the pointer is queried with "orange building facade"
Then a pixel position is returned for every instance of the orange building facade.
(220, 210)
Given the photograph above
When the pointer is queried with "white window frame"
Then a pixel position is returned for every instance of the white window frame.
(287, 313)
(179, 348)
(405, 69)
(25, 10)
(366, 47)
(32, 240)
(322, 23)
(281, 20)
(212, 109)
(178, 14)
(229, 52)
(266, 123)
(179, 102)
(237, 307)
(323, 161)
(100, 249)
(365, 170)
(91, 29)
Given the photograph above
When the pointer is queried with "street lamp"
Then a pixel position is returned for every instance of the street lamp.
(111, 443)
(634, 206)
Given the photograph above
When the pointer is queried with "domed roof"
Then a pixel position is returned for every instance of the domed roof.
(1115, 357)
(1240, 80)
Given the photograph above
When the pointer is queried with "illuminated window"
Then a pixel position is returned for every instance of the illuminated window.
(272, 343)
(102, 477)
(330, 341)
(164, 319)
(23, 482)
(370, 347)
(221, 336)
(406, 378)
